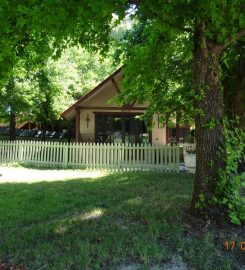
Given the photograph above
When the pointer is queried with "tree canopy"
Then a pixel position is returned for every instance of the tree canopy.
(163, 76)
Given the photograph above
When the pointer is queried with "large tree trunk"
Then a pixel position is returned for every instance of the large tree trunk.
(12, 126)
(208, 119)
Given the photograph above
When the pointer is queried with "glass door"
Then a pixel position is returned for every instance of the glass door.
(119, 128)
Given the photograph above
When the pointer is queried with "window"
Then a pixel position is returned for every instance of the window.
(120, 128)
(178, 134)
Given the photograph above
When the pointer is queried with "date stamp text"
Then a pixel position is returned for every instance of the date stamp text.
(232, 245)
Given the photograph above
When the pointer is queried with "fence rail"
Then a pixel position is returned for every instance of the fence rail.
(187, 146)
(91, 155)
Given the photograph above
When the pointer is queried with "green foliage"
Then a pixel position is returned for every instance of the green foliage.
(48, 100)
(30, 29)
(163, 78)
(228, 188)
(160, 45)
(17, 96)
(78, 71)
(42, 92)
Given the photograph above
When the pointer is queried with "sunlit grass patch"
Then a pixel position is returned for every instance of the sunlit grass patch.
(31, 175)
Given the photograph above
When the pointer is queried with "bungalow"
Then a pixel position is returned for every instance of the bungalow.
(97, 118)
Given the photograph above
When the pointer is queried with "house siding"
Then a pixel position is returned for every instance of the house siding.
(158, 132)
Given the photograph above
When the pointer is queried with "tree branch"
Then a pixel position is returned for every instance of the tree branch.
(175, 26)
(232, 40)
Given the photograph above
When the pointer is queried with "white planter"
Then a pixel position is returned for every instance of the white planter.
(190, 162)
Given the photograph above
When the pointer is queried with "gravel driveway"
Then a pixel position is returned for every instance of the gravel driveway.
(27, 175)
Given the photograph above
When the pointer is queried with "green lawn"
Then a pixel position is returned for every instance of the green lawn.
(114, 221)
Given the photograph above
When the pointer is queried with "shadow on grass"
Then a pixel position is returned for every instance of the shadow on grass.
(95, 223)
(24, 203)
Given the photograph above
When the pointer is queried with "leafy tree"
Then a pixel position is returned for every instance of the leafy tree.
(164, 77)
(48, 101)
(78, 71)
(17, 100)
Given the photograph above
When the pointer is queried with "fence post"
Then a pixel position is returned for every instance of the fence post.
(66, 153)
(178, 157)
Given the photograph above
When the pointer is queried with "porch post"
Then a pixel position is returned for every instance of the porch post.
(78, 137)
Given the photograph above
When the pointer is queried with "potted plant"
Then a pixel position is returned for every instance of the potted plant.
(190, 160)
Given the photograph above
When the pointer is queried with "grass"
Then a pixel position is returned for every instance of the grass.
(106, 223)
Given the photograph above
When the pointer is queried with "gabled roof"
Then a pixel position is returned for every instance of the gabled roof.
(90, 93)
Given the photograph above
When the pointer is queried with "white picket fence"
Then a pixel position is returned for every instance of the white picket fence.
(91, 156)
(187, 146)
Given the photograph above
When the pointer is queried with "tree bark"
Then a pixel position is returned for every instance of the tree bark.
(208, 119)
(12, 126)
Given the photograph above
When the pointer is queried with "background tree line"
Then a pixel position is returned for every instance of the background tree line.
(39, 94)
